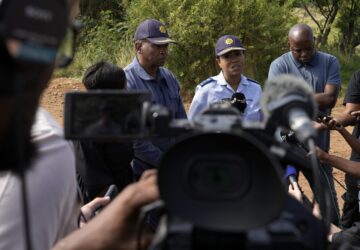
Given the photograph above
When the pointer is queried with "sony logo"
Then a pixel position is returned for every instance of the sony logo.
(37, 13)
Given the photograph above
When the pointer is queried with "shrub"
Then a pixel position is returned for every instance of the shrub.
(99, 39)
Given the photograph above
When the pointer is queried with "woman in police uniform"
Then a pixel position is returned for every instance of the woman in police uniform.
(230, 56)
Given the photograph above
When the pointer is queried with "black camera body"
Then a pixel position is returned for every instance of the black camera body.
(221, 183)
(225, 182)
(295, 228)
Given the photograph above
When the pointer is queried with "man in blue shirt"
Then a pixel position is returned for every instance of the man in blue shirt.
(146, 73)
(230, 56)
(321, 71)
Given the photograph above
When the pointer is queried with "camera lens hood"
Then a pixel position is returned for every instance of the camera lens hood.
(222, 181)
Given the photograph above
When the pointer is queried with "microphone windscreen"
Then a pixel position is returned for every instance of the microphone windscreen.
(239, 96)
(278, 87)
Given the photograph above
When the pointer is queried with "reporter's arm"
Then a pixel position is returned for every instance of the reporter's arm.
(353, 142)
(334, 124)
(345, 118)
(115, 226)
(351, 100)
(349, 167)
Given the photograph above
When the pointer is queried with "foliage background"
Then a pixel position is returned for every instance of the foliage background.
(262, 25)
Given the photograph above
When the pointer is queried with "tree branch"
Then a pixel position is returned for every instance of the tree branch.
(311, 16)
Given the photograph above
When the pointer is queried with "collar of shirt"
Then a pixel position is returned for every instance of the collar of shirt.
(312, 62)
(143, 74)
(221, 80)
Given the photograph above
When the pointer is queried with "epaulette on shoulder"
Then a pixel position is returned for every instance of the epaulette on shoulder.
(252, 80)
(207, 81)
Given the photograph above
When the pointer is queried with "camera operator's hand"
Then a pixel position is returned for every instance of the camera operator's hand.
(88, 210)
(115, 226)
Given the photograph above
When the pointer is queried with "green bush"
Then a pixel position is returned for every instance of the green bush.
(99, 39)
(348, 66)
(197, 24)
(93, 8)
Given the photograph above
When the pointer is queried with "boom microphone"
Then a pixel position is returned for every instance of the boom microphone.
(288, 101)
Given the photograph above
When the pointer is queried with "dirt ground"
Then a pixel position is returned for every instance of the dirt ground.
(53, 101)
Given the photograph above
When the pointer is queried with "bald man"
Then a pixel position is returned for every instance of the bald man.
(321, 71)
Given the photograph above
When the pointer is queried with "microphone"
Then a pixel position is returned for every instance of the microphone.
(288, 101)
(238, 101)
(291, 174)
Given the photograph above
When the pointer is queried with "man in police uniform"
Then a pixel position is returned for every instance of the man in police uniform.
(146, 73)
(230, 56)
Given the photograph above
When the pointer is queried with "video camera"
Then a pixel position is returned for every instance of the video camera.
(221, 183)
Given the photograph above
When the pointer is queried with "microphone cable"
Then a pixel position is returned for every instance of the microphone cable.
(324, 200)
(339, 183)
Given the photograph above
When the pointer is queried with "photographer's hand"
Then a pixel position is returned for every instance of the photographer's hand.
(88, 210)
(115, 226)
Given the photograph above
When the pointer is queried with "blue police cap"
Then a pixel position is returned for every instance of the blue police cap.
(154, 31)
(226, 44)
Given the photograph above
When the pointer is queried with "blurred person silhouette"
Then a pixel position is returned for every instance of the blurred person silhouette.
(349, 117)
(146, 72)
(38, 191)
(106, 124)
(37, 171)
(101, 164)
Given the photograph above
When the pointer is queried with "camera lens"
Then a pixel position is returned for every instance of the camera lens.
(217, 177)
(218, 180)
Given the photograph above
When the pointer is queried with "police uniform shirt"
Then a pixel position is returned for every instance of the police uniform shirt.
(165, 90)
(215, 89)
